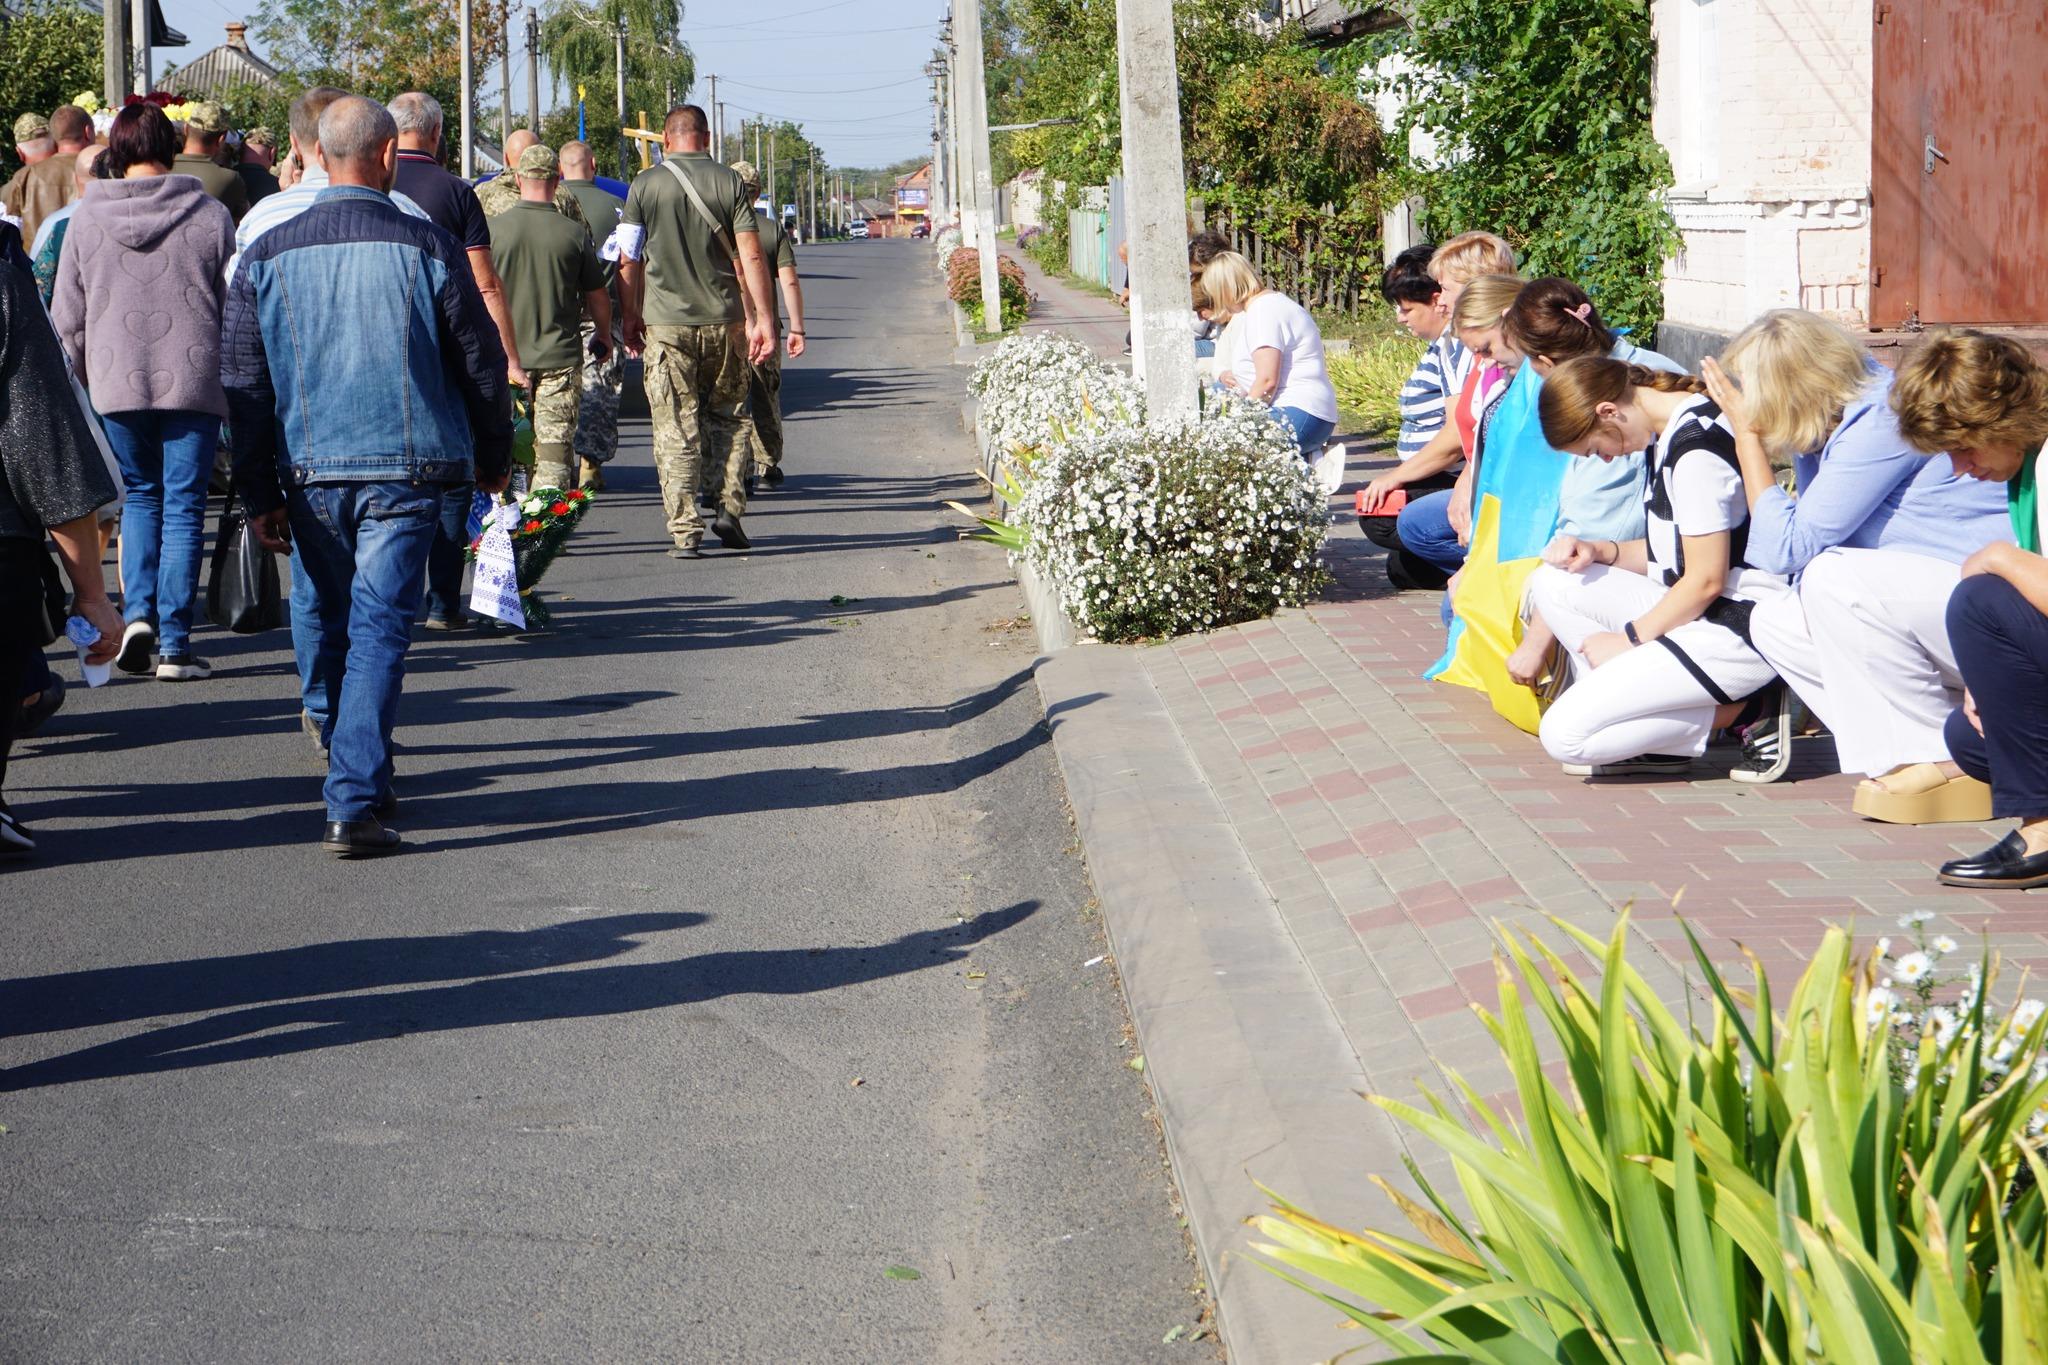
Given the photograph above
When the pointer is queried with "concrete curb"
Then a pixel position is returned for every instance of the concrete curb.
(1251, 1070)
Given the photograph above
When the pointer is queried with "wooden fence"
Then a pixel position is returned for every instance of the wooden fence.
(1342, 290)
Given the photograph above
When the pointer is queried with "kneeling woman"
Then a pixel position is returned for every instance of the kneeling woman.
(1278, 356)
(1984, 400)
(1657, 628)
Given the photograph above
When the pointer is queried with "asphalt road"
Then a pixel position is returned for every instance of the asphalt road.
(739, 955)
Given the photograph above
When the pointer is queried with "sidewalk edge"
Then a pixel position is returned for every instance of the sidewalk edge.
(1252, 1074)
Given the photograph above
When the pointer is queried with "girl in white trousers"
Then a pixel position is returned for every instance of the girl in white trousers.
(1656, 628)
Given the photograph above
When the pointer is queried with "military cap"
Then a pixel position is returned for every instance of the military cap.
(538, 163)
(749, 177)
(30, 127)
(259, 137)
(207, 117)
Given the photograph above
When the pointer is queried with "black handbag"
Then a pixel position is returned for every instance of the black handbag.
(56, 603)
(243, 591)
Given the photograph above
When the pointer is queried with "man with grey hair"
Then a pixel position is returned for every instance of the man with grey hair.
(342, 450)
(502, 191)
(451, 203)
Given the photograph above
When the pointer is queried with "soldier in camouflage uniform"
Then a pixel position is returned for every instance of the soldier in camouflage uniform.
(762, 457)
(501, 192)
(597, 418)
(689, 244)
(552, 279)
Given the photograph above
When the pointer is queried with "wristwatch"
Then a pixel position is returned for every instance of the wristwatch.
(1628, 628)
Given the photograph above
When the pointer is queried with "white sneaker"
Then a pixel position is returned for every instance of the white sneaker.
(138, 642)
(182, 668)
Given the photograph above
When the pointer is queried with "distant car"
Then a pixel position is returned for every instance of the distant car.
(857, 229)
(921, 229)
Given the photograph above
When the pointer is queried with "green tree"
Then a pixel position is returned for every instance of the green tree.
(1541, 114)
(579, 42)
(378, 48)
(48, 56)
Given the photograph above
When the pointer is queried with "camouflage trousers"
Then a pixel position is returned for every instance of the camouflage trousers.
(597, 421)
(764, 411)
(556, 395)
(696, 380)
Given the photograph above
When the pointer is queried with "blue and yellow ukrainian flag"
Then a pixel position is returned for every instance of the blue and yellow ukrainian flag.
(1514, 516)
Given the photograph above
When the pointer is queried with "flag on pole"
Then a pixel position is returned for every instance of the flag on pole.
(581, 136)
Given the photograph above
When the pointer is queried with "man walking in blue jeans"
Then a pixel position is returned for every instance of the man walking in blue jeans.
(363, 376)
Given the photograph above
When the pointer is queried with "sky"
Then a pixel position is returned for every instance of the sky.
(850, 71)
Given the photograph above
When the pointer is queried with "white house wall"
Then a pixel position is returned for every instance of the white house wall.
(1765, 108)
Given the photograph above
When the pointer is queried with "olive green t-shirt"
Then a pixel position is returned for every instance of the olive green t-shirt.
(222, 183)
(778, 253)
(691, 281)
(548, 263)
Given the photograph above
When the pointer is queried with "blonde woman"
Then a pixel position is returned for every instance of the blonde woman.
(1984, 400)
(1425, 524)
(1876, 539)
(1278, 358)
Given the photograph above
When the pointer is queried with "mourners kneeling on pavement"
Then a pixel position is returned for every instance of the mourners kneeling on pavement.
(1984, 400)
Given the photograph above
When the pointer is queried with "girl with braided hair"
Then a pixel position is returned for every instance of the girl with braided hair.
(1656, 628)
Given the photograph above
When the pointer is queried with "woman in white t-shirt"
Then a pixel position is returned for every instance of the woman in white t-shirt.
(1276, 355)
(1658, 628)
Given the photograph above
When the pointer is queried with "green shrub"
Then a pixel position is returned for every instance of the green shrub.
(1368, 380)
(1767, 1189)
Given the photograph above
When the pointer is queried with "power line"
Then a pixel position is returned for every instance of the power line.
(857, 90)
(829, 33)
(765, 23)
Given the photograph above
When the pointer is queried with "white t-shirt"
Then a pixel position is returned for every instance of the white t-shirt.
(1273, 320)
(1695, 461)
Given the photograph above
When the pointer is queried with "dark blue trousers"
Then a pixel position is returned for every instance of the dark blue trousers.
(2001, 644)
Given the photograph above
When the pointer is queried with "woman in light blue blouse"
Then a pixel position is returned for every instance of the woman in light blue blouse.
(1876, 538)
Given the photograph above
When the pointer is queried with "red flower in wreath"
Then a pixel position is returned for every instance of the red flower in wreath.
(529, 528)
(577, 495)
(560, 509)
(476, 545)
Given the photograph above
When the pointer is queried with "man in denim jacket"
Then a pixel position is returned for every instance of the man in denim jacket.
(362, 372)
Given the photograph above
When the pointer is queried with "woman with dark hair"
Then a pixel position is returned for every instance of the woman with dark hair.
(138, 304)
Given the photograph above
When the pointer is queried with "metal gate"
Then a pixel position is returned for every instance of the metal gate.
(1959, 162)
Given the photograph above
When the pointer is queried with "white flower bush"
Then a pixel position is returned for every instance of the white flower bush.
(1147, 530)
(1929, 1038)
(1160, 530)
(1040, 390)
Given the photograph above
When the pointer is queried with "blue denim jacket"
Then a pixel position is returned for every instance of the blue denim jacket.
(356, 349)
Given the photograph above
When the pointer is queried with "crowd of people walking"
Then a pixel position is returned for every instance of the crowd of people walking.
(360, 334)
(1795, 533)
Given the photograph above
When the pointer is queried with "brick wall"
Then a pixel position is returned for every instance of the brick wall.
(1765, 106)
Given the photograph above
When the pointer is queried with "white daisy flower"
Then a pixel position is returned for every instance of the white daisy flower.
(1913, 968)
(1943, 944)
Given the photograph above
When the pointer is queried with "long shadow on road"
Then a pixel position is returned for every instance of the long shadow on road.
(581, 993)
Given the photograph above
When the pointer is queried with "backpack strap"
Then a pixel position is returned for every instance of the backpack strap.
(718, 230)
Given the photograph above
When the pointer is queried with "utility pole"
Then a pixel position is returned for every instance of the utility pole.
(114, 53)
(532, 69)
(466, 106)
(138, 33)
(963, 159)
(774, 198)
(1155, 211)
(619, 51)
(505, 73)
(717, 112)
(936, 196)
(974, 95)
(757, 145)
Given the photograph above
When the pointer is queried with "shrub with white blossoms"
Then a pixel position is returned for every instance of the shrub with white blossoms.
(1934, 1028)
(1040, 390)
(1159, 530)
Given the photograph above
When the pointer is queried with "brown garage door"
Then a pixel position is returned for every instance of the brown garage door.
(1959, 162)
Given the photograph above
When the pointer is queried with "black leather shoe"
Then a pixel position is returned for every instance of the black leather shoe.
(707, 501)
(727, 529)
(364, 838)
(2006, 865)
(386, 807)
(771, 474)
(684, 552)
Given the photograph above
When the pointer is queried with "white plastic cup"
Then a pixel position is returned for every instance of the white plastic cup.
(84, 634)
